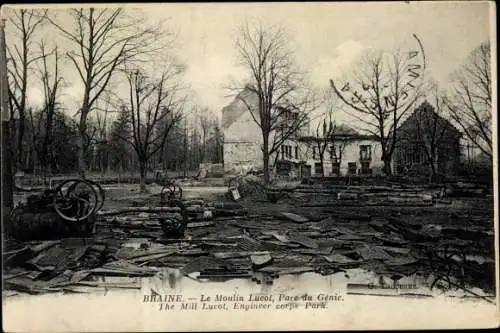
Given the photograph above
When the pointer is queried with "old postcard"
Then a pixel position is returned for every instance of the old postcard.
(249, 166)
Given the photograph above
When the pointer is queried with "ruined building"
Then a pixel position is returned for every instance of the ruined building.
(427, 142)
(243, 136)
(348, 153)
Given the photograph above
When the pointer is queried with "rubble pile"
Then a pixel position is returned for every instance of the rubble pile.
(248, 186)
(394, 232)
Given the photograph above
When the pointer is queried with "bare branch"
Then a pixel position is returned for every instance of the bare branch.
(274, 88)
(382, 91)
(469, 100)
(101, 41)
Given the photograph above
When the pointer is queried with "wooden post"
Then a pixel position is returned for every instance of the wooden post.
(7, 178)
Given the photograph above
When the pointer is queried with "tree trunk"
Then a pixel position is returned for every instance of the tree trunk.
(433, 171)
(102, 161)
(387, 166)
(267, 178)
(142, 171)
(7, 174)
(20, 138)
(434, 166)
(47, 139)
(321, 160)
(80, 143)
(120, 171)
(82, 127)
(265, 155)
(108, 165)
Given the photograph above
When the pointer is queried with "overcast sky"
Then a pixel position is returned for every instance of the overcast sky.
(326, 37)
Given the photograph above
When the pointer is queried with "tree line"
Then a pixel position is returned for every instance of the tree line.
(133, 110)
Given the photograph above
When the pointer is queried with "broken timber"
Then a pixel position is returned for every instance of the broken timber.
(139, 210)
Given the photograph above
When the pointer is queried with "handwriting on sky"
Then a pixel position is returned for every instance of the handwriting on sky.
(389, 93)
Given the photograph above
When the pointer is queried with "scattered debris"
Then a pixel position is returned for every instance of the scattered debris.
(235, 194)
(389, 231)
(261, 260)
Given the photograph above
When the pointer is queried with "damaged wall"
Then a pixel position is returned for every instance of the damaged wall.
(242, 136)
(242, 139)
(242, 156)
(351, 154)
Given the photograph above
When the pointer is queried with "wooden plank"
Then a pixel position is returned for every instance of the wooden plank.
(294, 217)
(225, 276)
(125, 285)
(16, 256)
(338, 258)
(373, 253)
(122, 267)
(401, 261)
(348, 237)
(119, 272)
(43, 246)
(128, 210)
(318, 251)
(236, 254)
(282, 238)
(303, 240)
(200, 224)
(398, 250)
(287, 270)
(150, 257)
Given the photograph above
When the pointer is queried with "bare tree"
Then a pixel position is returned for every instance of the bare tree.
(101, 138)
(51, 82)
(20, 57)
(185, 144)
(218, 143)
(324, 131)
(337, 147)
(103, 40)
(121, 152)
(205, 127)
(469, 101)
(283, 104)
(383, 89)
(432, 129)
(153, 109)
(327, 132)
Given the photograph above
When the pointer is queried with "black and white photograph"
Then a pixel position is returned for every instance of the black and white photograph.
(208, 166)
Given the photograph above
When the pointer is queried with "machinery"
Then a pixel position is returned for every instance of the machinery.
(170, 191)
(69, 210)
(174, 225)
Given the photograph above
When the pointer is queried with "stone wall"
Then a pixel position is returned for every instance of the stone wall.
(241, 157)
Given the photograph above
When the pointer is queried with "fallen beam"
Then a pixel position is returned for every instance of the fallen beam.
(129, 210)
